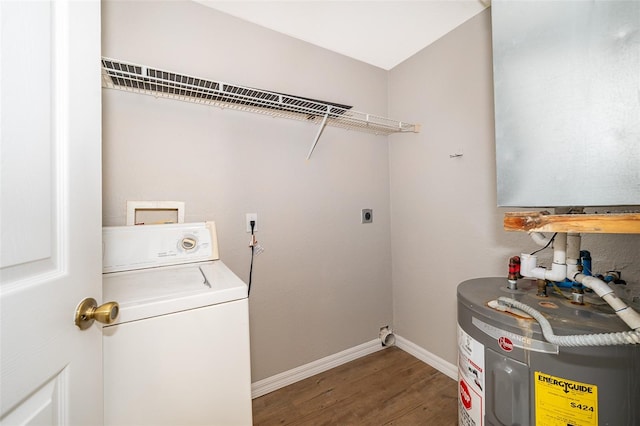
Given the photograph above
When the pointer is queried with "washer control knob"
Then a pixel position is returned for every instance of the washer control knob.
(188, 243)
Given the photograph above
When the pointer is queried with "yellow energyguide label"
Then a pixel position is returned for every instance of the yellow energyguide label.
(563, 402)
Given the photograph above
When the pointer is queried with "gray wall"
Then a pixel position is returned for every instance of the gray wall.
(445, 226)
(323, 283)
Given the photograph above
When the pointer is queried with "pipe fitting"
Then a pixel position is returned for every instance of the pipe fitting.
(387, 338)
(558, 271)
(577, 295)
(542, 288)
(514, 268)
(528, 262)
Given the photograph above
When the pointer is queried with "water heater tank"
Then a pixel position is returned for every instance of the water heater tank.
(510, 375)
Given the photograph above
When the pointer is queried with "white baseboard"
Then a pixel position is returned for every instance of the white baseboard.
(445, 367)
(270, 384)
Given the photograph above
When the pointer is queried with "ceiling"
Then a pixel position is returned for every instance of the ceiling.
(379, 32)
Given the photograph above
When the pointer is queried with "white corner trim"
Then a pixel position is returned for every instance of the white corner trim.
(445, 367)
(270, 384)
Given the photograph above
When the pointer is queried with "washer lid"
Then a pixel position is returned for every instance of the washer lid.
(160, 291)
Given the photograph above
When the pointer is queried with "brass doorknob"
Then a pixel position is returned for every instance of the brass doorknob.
(89, 311)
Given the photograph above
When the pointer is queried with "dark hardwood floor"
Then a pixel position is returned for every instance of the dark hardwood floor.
(389, 387)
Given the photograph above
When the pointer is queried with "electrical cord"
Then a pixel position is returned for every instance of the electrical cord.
(547, 245)
(252, 245)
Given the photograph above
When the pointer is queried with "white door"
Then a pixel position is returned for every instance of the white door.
(50, 211)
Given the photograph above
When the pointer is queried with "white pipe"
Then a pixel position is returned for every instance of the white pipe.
(560, 249)
(573, 254)
(566, 251)
(626, 313)
(527, 263)
(573, 245)
(387, 338)
(558, 271)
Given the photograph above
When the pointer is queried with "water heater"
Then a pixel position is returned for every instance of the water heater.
(509, 374)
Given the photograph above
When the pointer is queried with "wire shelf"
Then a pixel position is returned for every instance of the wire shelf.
(166, 84)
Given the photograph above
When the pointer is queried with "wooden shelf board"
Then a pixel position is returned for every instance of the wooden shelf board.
(610, 223)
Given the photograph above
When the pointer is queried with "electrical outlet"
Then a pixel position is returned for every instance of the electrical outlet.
(252, 217)
(367, 215)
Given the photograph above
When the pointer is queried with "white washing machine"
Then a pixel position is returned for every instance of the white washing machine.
(178, 354)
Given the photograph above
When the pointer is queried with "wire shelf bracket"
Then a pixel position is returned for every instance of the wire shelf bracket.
(147, 80)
